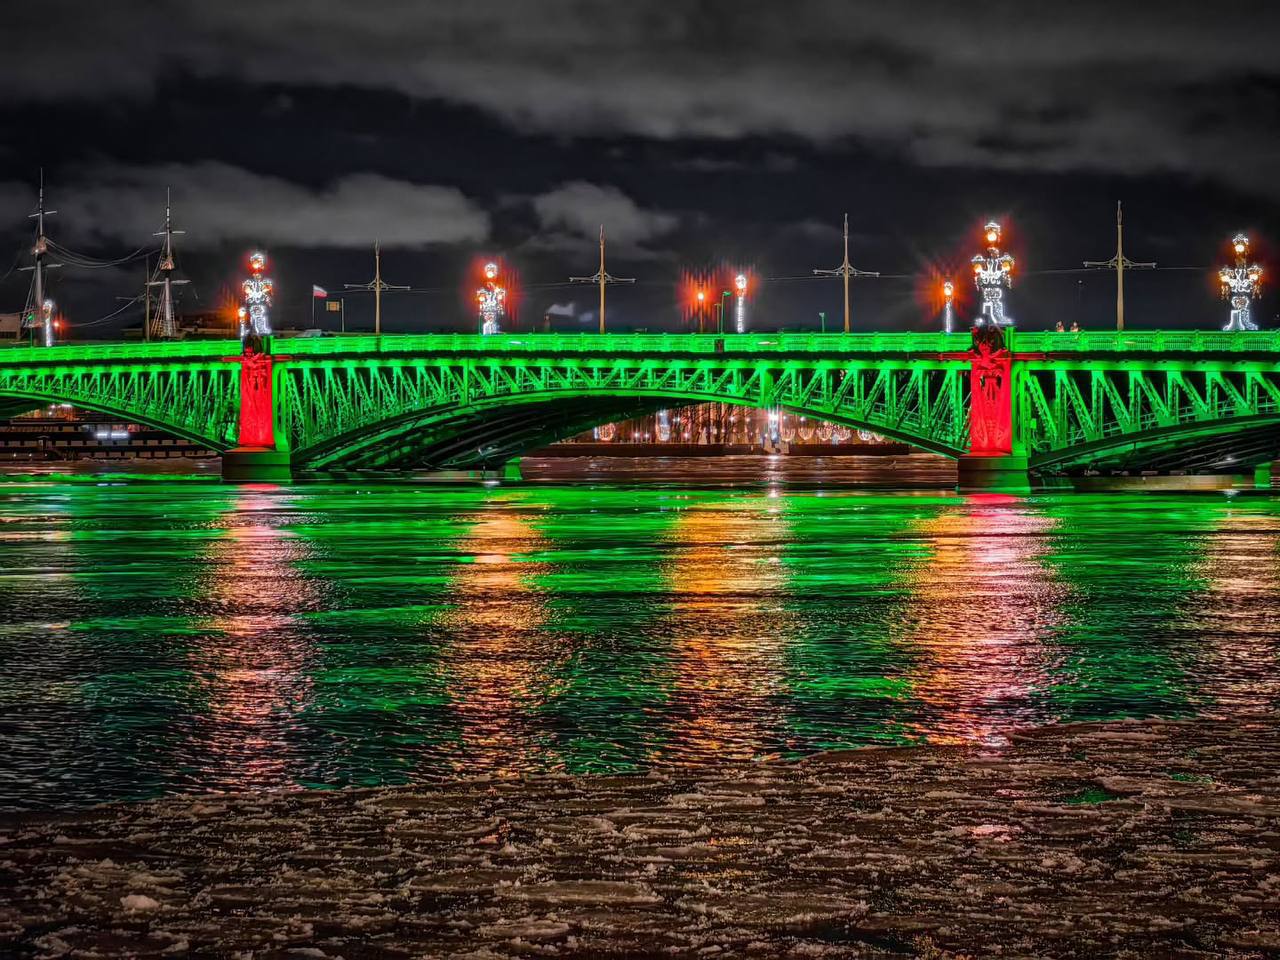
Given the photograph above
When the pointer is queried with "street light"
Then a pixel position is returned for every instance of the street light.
(702, 302)
(740, 311)
(723, 296)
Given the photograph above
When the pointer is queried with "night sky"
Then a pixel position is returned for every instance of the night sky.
(706, 136)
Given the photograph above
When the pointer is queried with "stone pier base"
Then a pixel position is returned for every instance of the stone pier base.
(994, 474)
(256, 465)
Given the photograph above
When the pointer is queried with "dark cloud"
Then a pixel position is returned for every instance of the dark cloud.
(573, 212)
(704, 135)
(1103, 86)
(216, 202)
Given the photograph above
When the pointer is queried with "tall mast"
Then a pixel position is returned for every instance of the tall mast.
(1119, 267)
(39, 315)
(602, 278)
(377, 286)
(846, 270)
(166, 327)
(600, 274)
(1119, 263)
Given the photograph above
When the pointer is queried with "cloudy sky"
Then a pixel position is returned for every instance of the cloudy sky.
(706, 136)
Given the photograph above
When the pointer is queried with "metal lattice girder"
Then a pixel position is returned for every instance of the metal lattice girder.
(1077, 411)
(191, 392)
(338, 409)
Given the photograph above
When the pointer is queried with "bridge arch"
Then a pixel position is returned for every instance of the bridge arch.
(492, 429)
(1230, 442)
(217, 432)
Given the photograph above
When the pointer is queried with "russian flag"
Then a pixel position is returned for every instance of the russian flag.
(319, 292)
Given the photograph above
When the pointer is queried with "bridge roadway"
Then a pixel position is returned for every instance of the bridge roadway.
(1016, 410)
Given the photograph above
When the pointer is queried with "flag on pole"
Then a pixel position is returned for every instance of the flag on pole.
(319, 293)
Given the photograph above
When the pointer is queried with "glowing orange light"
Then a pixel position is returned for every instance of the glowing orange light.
(702, 295)
(992, 236)
(977, 268)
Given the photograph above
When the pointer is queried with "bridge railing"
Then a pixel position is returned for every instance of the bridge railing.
(628, 343)
(155, 350)
(658, 344)
(1142, 341)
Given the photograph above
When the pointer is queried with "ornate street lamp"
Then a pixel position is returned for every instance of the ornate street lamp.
(1240, 285)
(992, 273)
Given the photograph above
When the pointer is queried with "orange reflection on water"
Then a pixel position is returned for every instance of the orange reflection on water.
(982, 607)
(1236, 615)
(254, 666)
(729, 625)
(498, 656)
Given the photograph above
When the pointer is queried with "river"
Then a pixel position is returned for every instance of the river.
(176, 635)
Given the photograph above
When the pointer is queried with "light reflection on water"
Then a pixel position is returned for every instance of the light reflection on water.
(169, 636)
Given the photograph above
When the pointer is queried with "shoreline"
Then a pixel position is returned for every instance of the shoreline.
(1125, 839)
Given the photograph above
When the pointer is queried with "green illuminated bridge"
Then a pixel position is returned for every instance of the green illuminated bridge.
(1030, 404)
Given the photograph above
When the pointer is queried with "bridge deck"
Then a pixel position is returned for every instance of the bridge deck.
(657, 345)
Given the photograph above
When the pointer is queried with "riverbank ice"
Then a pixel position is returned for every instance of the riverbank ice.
(1128, 840)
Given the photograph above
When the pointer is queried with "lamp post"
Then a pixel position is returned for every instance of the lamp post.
(723, 296)
(702, 309)
(948, 294)
(740, 308)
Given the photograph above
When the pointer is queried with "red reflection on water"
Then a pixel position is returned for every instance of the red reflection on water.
(254, 666)
(982, 608)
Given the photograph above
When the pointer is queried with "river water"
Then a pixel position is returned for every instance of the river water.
(178, 635)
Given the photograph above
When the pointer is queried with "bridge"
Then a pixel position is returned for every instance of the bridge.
(1013, 409)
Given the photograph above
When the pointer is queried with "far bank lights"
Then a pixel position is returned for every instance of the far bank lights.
(490, 298)
(1240, 285)
(992, 273)
(254, 315)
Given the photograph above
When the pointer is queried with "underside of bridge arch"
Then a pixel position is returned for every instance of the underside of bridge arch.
(15, 404)
(489, 433)
(1224, 446)
(480, 437)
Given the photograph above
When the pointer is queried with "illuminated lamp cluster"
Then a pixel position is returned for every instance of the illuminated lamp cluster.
(254, 315)
(992, 273)
(491, 300)
(1240, 285)
(740, 305)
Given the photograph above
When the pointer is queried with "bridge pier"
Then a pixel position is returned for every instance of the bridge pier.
(262, 456)
(256, 465)
(1002, 473)
(1264, 475)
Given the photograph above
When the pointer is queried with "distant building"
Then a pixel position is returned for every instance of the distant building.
(10, 326)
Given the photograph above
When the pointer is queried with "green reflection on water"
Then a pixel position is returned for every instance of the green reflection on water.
(158, 637)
